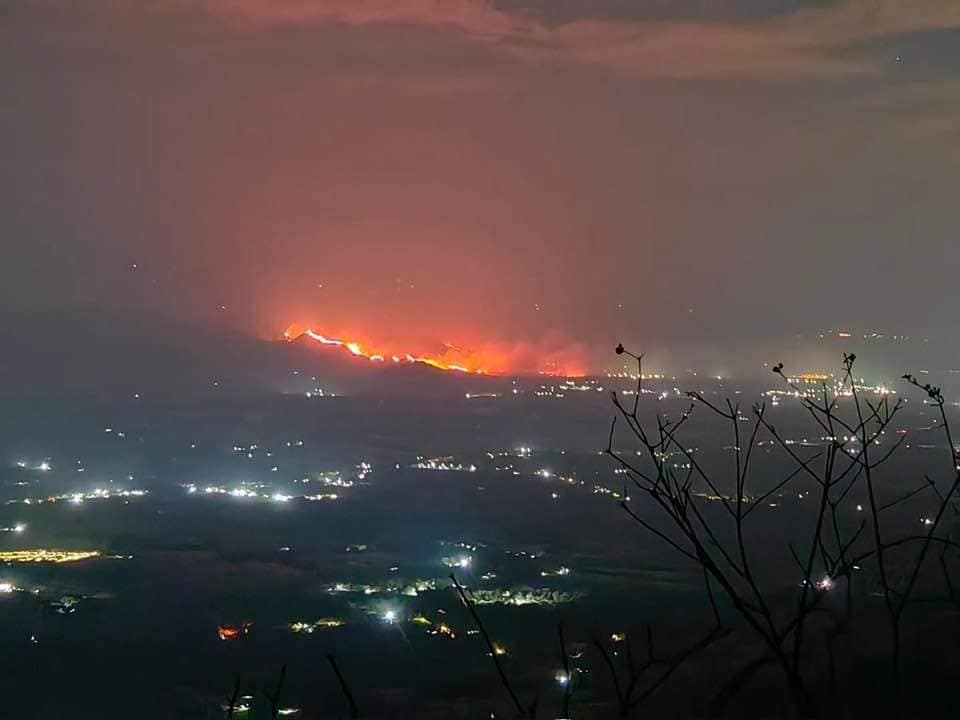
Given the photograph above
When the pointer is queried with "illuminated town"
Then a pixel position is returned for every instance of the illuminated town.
(46, 556)
(479, 359)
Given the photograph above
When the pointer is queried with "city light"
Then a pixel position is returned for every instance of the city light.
(448, 464)
(79, 497)
(47, 556)
(825, 584)
(308, 628)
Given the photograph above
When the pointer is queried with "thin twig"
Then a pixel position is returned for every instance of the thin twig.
(234, 697)
(491, 647)
(274, 697)
(344, 687)
(568, 683)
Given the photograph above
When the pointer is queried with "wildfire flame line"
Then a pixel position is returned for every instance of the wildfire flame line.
(293, 333)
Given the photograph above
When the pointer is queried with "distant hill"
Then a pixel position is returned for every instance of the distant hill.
(116, 355)
(88, 352)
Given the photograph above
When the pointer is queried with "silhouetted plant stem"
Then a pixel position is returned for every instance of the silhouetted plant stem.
(491, 647)
(274, 697)
(614, 676)
(344, 687)
(234, 696)
(630, 699)
(695, 534)
(568, 686)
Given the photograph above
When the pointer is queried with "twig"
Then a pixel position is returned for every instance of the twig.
(234, 697)
(274, 697)
(568, 683)
(344, 687)
(521, 711)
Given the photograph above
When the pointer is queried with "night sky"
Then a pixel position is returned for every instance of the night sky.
(554, 172)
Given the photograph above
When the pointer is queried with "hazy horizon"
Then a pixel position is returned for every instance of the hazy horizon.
(564, 175)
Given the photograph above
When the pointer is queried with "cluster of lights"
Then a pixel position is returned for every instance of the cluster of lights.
(318, 392)
(245, 492)
(522, 597)
(441, 628)
(331, 479)
(308, 628)
(447, 464)
(244, 705)
(79, 497)
(825, 584)
(464, 562)
(47, 556)
(470, 547)
(398, 587)
(561, 389)
(523, 554)
(633, 376)
(444, 630)
(44, 466)
(839, 388)
(601, 490)
(516, 596)
(584, 386)
(544, 391)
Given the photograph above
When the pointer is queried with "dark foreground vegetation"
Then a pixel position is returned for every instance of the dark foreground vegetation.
(851, 615)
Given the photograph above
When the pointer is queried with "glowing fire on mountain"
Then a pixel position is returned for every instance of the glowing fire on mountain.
(450, 359)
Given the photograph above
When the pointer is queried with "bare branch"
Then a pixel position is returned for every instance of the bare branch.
(521, 711)
(344, 687)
